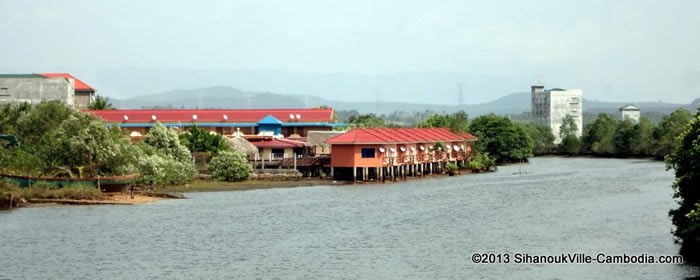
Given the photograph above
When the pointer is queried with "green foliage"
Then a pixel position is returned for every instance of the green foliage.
(685, 160)
(201, 141)
(166, 160)
(667, 130)
(164, 170)
(542, 138)
(230, 166)
(9, 114)
(451, 167)
(457, 122)
(55, 138)
(568, 127)
(101, 103)
(366, 121)
(599, 136)
(83, 140)
(502, 139)
(48, 191)
(570, 145)
(481, 161)
(168, 143)
(438, 146)
(34, 124)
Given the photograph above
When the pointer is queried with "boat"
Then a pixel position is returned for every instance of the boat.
(105, 183)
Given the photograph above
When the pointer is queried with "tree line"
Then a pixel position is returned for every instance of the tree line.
(58, 141)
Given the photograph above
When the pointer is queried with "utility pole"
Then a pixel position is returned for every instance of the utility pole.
(461, 97)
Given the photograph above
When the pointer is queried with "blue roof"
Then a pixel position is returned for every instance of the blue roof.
(269, 120)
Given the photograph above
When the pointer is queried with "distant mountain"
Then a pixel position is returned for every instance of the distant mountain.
(228, 97)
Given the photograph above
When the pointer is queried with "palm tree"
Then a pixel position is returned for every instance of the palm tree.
(101, 103)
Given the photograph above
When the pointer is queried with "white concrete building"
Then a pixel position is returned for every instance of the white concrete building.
(549, 107)
(631, 112)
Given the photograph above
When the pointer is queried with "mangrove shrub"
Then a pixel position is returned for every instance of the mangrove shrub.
(685, 160)
(230, 166)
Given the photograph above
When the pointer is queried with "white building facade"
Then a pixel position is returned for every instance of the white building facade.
(550, 107)
(630, 112)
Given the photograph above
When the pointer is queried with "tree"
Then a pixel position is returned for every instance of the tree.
(100, 103)
(685, 160)
(667, 130)
(457, 122)
(624, 133)
(167, 141)
(230, 166)
(199, 140)
(165, 160)
(542, 138)
(568, 127)
(83, 142)
(599, 136)
(366, 121)
(502, 139)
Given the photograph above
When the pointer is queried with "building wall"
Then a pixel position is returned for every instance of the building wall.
(34, 90)
(351, 156)
(265, 153)
(550, 107)
(83, 99)
(631, 114)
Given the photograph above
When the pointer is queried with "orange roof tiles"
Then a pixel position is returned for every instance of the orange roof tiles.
(79, 85)
(398, 135)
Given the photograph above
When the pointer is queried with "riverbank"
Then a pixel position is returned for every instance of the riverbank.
(201, 185)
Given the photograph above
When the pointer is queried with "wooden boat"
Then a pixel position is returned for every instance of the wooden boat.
(106, 183)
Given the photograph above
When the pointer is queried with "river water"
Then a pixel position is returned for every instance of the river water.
(420, 229)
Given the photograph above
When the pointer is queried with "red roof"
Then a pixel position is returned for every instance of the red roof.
(277, 143)
(223, 116)
(398, 135)
(79, 85)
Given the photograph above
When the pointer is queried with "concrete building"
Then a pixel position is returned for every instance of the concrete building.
(33, 88)
(549, 107)
(631, 112)
(84, 94)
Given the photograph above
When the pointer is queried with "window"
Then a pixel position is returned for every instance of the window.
(278, 153)
(367, 152)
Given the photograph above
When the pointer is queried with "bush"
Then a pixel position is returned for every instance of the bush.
(481, 161)
(230, 166)
(451, 167)
(159, 170)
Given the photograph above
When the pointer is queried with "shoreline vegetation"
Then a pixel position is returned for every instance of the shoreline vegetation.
(50, 139)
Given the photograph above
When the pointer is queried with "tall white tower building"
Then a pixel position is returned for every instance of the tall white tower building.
(549, 107)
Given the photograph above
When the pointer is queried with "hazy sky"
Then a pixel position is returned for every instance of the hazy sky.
(613, 50)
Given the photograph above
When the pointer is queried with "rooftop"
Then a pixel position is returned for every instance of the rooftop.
(79, 85)
(277, 143)
(398, 135)
(301, 116)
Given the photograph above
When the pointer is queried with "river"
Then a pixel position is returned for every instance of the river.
(420, 229)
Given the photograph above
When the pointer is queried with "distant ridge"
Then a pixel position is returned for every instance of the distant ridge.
(229, 97)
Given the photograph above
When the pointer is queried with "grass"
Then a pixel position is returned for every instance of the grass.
(211, 185)
(46, 191)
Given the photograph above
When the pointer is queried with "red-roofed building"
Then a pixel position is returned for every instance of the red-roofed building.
(276, 148)
(285, 122)
(34, 88)
(84, 94)
(395, 152)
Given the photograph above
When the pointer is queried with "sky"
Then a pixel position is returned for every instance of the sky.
(612, 50)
